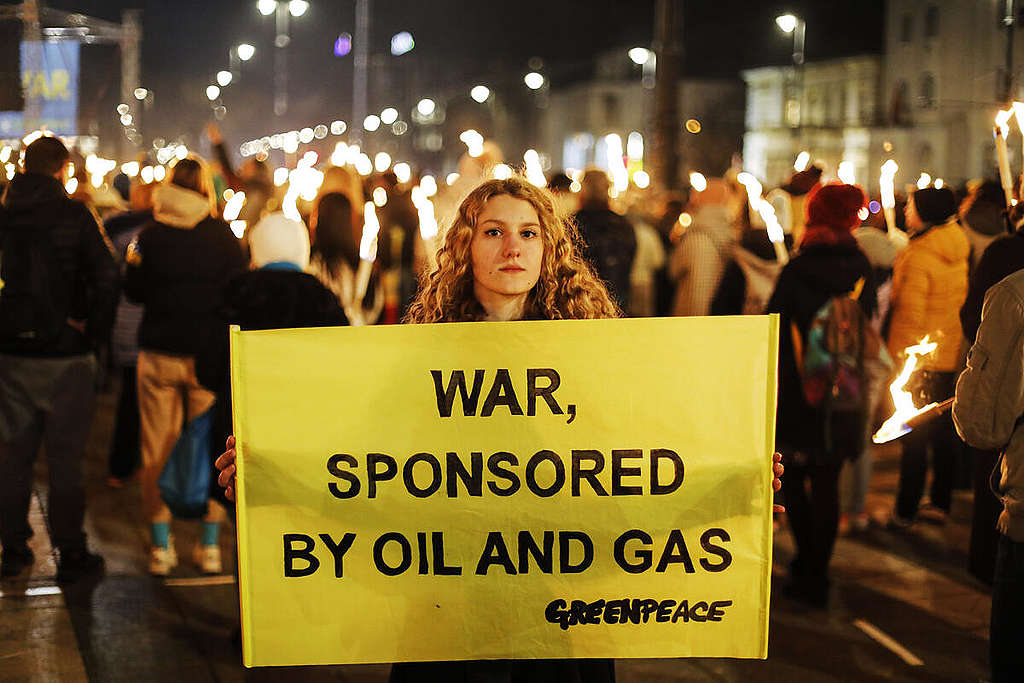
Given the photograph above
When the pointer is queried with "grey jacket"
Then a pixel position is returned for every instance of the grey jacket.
(990, 395)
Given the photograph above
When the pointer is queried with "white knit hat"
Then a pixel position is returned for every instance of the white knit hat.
(278, 238)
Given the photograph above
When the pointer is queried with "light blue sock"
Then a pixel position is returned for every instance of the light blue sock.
(161, 533)
(210, 533)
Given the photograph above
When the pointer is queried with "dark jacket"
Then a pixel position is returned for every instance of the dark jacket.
(756, 248)
(87, 275)
(610, 246)
(123, 228)
(1003, 257)
(815, 275)
(178, 273)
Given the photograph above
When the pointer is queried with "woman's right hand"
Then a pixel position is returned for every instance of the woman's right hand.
(226, 464)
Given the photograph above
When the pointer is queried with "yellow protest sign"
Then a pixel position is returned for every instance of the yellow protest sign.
(577, 488)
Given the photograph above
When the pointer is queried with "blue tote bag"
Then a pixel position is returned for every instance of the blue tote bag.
(185, 480)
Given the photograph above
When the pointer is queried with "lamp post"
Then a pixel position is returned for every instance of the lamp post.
(792, 24)
(281, 9)
(239, 53)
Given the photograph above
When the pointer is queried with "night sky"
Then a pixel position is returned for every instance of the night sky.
(185, 42)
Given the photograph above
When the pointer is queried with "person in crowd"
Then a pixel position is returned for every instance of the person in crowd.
(253, 177)
(276, 292)
(647, 266)
(790, 201)
(669, 230)
(124, 349)
(928, 288)
(987, 411)
(343, 180)
(177, 268)
(828, 264)
(560, 187)
(56, 308)
(396, 245)
(503, 223)
(335, 259)
(699, 257)
(750, 274)
(983, 217)
(1003, 256)
(609, 243)
(856, 475)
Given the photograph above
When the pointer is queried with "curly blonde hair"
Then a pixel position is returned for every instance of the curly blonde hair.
(566, 289)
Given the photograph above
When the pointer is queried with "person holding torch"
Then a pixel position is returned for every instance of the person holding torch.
(507, 256)
(929, 286)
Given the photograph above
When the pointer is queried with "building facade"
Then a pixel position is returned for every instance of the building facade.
(928, 101)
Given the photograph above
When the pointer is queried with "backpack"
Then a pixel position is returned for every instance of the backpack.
(33, 298)
(833, 363)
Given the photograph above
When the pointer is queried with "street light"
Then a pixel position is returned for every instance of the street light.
(402, 43)
(141, 94)
(639, 55)
(533, 80)
(224, 78)
(245, 51)
(298, 7)
(480, 93)
(281, 9)
(389, 116)
(266, 7)
(212, 92)
(789, 23)
(426, 107)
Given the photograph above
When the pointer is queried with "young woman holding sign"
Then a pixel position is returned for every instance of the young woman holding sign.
(507, 256)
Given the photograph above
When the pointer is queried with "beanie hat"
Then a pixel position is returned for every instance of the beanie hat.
(802, 182)
(276, 239)
(935, 205)
(835, 206)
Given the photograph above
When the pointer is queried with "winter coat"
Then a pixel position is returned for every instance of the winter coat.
(815, 275)
(929, 286)
(881, 252)
(86, 279)
(699, 259)
(989, 400)
(177, 269)
(1003, 257)
(749, 278)
(124, 341)
(610, 246)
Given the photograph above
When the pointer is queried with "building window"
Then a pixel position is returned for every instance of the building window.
(931, 22)
(927, 90)
(907, 28)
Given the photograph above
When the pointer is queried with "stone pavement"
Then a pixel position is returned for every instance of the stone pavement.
(903, 607)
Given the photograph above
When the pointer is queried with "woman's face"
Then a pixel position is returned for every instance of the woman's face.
(506, 249)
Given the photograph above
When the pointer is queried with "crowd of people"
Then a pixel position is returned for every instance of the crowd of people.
(147, 293)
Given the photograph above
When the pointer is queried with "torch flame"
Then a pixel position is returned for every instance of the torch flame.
(1002, 119)
(886, 184)
(896, 425)
(371, 226)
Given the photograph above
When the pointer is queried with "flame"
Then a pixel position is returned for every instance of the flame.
(886, 184)
(802, 160)
(234, 206)
(845, 172)
(1002, 121)
(371, 226)
(1018, 112)
(896, 425)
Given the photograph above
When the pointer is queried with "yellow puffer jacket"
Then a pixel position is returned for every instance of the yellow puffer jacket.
(929, 285)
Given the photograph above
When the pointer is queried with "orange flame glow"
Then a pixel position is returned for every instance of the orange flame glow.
(896, 425)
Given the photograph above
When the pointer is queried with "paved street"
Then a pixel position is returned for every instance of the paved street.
(903, 608)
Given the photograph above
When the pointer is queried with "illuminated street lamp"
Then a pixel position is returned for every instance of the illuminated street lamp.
(242, 52)
(426, 107)
(212, 92)
(533, 80)
(645, 58)
(281, 9)
(245, 51)
(640, 55)
(224, 78)
(402, 43)
(792, 24)
(141, 94)
(480, 93)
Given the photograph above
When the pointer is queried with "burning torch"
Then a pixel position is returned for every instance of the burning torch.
(906, 416)
(367, 251)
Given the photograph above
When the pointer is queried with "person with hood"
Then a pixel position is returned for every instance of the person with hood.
(57, 300)
(609, 242)
(828, 264)
(177, 269)
(987, 411)
(983, 217)
(928, 287)
(700, 255)
(276, 292)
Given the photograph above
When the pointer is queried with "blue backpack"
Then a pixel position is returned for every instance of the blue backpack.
(185, 480)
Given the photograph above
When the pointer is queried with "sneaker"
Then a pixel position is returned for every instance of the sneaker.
(78, 564)
(162, 560)
(207, 558)
(14, 560)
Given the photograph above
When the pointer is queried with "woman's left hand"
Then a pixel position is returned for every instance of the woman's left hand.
(777, 470)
